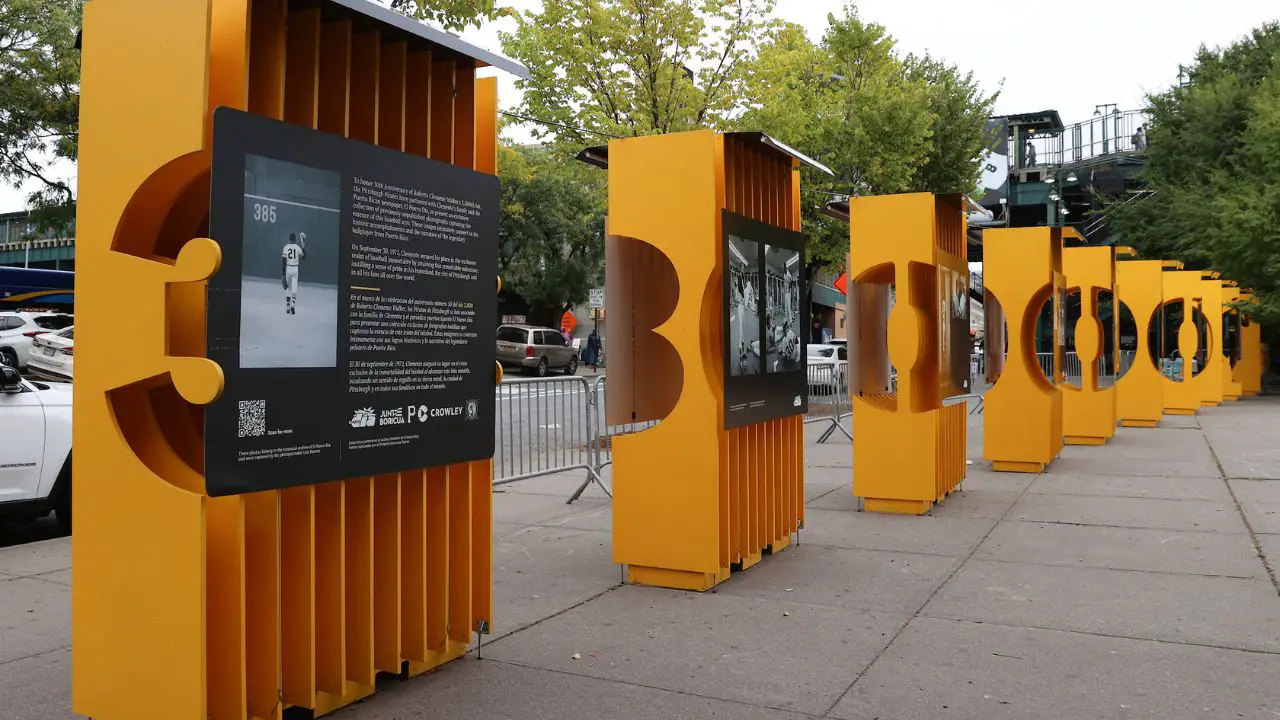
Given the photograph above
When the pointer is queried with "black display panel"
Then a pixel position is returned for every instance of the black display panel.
(353, 311)
(765, 316)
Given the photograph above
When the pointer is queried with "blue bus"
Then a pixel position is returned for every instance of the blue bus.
(23, 288)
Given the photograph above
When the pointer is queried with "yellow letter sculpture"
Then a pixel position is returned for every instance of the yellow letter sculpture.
(190, 607)
(1139, 392)
(1089, 411)
(691, 499)
(1183, 396)
(1022, 272)
(909, 450)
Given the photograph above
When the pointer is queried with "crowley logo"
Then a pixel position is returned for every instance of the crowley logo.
(473, 410)
(364, 417)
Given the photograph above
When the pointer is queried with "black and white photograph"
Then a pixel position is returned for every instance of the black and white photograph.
(782, 309)
(289, 278)
(744, 306)
(763, 321)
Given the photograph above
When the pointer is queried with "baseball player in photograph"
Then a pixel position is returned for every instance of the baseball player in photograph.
(290, 259)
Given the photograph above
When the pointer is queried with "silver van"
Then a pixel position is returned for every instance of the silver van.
(535, 350)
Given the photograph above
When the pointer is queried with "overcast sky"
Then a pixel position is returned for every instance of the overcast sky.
(1066, 57)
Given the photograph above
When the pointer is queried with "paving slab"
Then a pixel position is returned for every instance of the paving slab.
(1224, 612)
(980, 476)
(1183, 488)
(1260, 500)
(1184, 422)
(561, 485)
(712, 644)
(972, 671)
(35, 617)
(878, 580)
(472, 689)
(953, 536)
(1145, 444)
(834, 453)
(62, 577)
(36, 558)
(538, 572)
(814, 490)
(1151, 467)
(1271, 550)
(976, 504)
(1243, 454)
(37, 687)
(531, 509)
(1155, 513)
(1192, 553)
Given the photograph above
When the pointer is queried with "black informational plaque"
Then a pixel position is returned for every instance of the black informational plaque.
(353, 315)
(766, 315)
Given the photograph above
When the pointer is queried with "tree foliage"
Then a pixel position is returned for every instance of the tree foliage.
(882, 123)
(551, 240)
(40, 101)
(1213, 163)
(634, 67)
(451, 14)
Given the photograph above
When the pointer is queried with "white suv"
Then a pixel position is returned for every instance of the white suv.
(35, 449)
(17, 329)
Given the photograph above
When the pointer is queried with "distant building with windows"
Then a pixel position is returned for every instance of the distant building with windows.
(22, 246)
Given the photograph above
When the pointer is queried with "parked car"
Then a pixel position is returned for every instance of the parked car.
(53, 356)
(535, 350)
(18, 328)
(35, 454)
(828, 367)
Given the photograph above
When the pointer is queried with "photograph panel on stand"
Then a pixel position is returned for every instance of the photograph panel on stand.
(765, 314)
(744, 306)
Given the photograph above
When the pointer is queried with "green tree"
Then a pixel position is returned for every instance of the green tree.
(40, 101)
(551, 238)
(1213, 160)
(451, 14)
(882, 123)
(634, 67)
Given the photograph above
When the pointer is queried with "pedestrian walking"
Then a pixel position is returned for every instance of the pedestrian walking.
(593, 350)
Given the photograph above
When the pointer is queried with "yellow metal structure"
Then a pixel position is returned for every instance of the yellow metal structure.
(1248, 371)
(1022, 272)
(1232, 389)
(189, 607)
(691, 499)
(909, 450)
(1215, 366)
(1089, 411)
(1139, 393)
(1185, 288)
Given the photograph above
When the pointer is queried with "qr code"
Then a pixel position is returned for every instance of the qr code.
(253, 418)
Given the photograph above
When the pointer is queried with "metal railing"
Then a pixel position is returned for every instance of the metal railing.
(1106, 134)
(552, 425)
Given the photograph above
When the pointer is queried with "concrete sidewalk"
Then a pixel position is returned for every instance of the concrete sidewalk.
(1129, 581)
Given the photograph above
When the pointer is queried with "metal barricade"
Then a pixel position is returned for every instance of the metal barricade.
(546, 426)
(829, 400)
